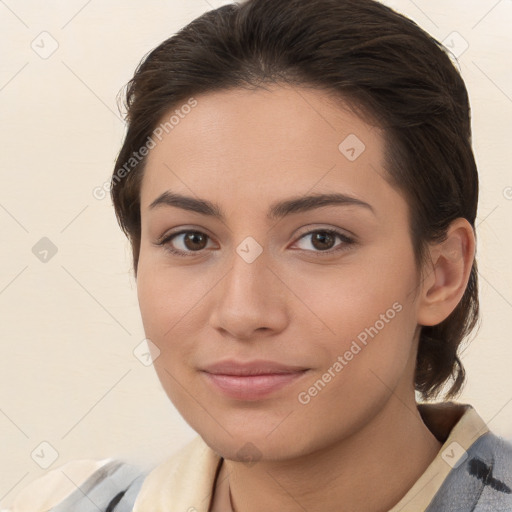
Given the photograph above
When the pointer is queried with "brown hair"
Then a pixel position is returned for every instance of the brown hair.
(385, 66)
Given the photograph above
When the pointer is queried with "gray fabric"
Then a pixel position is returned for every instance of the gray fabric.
(102, 487)
(482, 483)
(128, 500)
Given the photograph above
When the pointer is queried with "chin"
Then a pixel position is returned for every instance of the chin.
(253, 446)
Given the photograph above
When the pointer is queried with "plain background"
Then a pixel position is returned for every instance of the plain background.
(70, 324)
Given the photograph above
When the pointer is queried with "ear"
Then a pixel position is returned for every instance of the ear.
(446, 278)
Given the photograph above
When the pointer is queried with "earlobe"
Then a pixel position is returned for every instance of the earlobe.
(448, 274)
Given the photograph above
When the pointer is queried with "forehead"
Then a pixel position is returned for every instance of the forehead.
(255, 146)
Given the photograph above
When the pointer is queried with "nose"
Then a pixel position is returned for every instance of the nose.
(250, 300)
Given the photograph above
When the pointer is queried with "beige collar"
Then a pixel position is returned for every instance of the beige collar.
(185, 481)
(455, 425)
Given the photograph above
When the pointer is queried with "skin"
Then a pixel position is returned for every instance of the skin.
(290, 306)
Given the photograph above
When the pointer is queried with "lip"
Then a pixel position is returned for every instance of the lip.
(254, 367)
(251, 380)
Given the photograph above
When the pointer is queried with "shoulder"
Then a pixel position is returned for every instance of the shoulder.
(51, 488)
(482, 480)
(492, 455)
(104, 482)
(182, 480)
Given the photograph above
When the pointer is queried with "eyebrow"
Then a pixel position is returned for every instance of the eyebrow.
(277, 210)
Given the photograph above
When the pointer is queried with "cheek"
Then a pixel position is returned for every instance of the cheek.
(167, 314)
(172, 306)
(343, 301)
(365, 315)
(168, 299)
(363, 366)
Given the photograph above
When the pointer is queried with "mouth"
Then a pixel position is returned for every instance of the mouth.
(253, 380)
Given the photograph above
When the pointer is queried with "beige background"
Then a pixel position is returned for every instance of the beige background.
(69, 326)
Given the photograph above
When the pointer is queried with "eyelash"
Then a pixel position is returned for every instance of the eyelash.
(347, 242)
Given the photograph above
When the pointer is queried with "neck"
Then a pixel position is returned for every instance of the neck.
(370, 470)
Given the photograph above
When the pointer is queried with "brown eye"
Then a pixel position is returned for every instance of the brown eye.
(324, 241)
(194, 240)
(188, 242)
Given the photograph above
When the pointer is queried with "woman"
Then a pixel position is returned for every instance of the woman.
(299, 189)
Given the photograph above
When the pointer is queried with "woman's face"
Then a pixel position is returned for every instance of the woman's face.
(264, 273)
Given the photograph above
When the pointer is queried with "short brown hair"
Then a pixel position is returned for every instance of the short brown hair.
(385, 66)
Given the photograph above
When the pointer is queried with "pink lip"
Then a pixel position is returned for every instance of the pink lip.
(251, 387)
(251, 380)
(255, 367)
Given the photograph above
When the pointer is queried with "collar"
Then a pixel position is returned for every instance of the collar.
(185, 481)
(455, 425)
